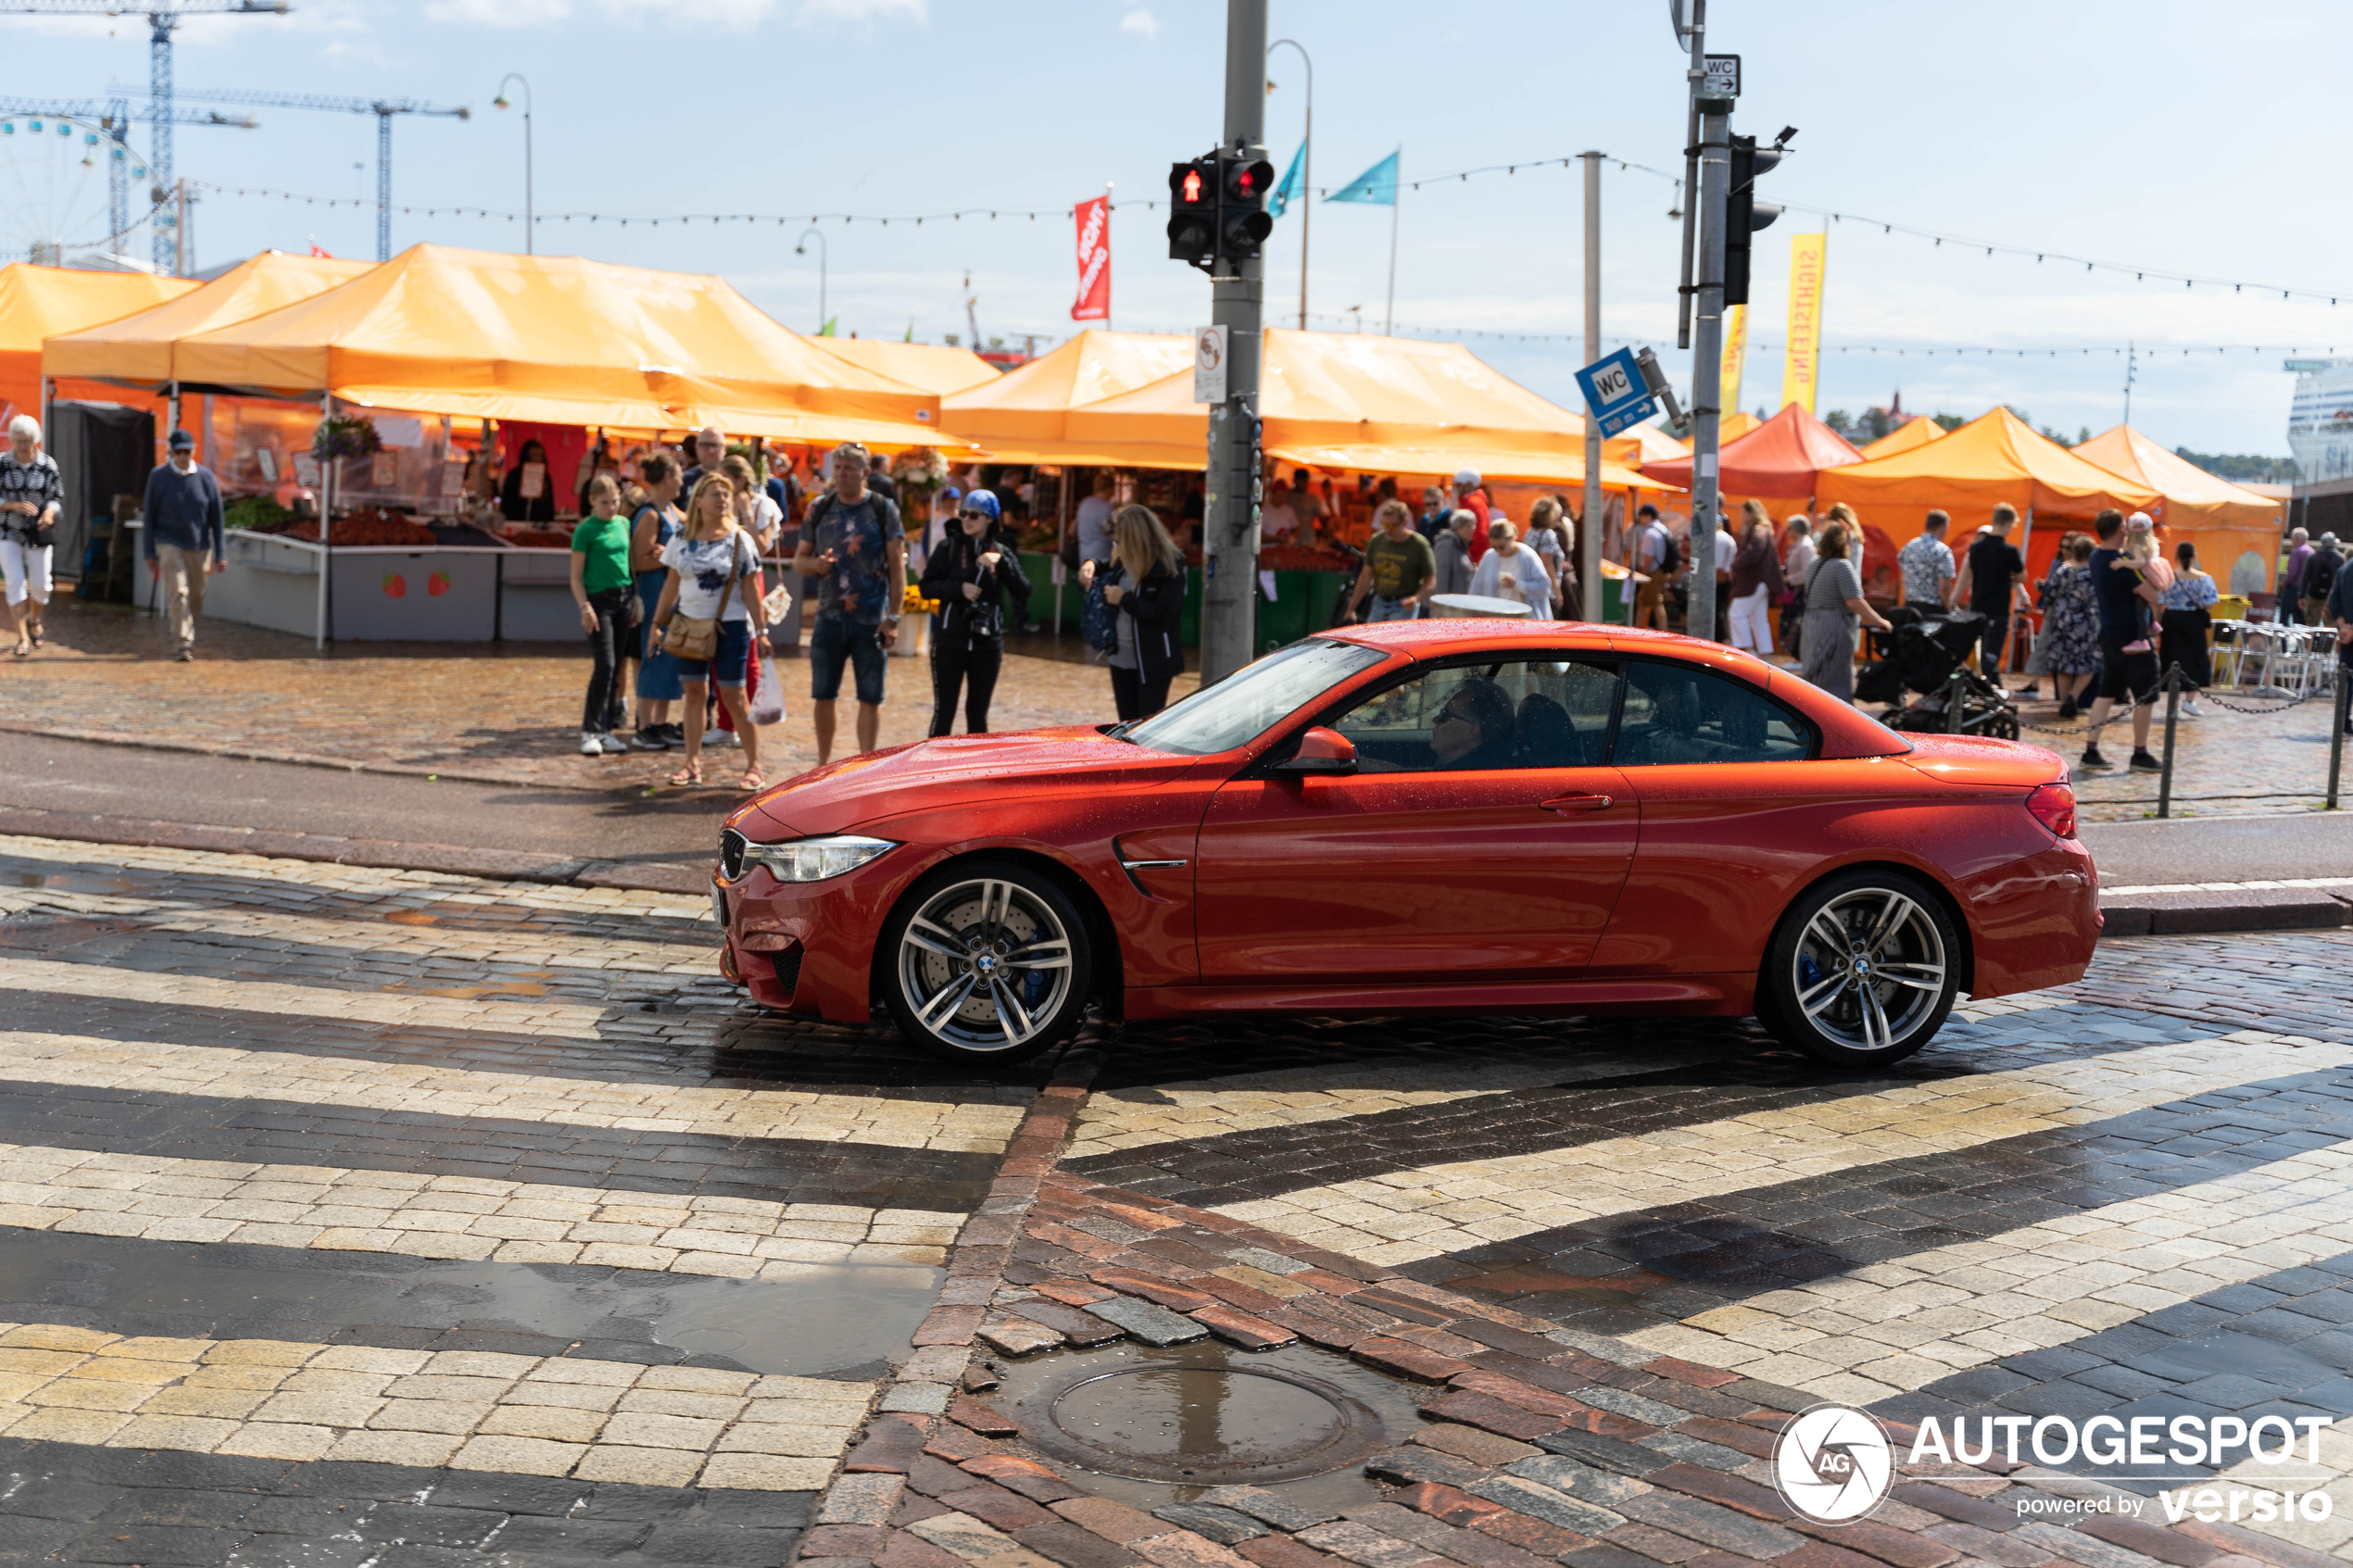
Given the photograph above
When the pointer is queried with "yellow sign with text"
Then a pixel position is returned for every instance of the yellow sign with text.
(1735, 354)
(1801, 371)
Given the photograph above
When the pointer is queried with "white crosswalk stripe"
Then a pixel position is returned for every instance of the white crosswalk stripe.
(1434, 1209)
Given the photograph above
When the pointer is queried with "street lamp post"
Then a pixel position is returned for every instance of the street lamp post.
(801, 247)
(1306, 169)
(530, 225)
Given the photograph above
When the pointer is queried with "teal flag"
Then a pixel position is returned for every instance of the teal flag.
(1377, 185)
(1288, 192)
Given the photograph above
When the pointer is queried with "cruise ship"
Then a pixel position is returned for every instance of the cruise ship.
(2320, 422)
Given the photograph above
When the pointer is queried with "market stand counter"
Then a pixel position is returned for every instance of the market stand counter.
(444, 592)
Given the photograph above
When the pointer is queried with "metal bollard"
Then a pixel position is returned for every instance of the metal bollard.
(2172, 719)
(2342, 689)
(1952, 704)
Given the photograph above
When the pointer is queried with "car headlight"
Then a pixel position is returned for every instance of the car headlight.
(812, 859)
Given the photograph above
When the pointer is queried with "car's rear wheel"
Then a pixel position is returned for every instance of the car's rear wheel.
(989, 961)
(1862, 970)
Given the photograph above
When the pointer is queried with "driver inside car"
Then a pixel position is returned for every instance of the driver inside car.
(1475, 728)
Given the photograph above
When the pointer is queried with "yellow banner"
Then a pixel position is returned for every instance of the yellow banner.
(1801, 372)
(1735, 354)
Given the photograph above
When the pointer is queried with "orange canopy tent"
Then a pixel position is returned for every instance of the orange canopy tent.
(137, 350)
(1643, 444)
(1022, 417)
(1351, 402)
(936, 368)
(39, 302)
(1781, 459)
(1993, 458)
(2236, 532)
(560, 340)
(1912, 433)
(1729, 428)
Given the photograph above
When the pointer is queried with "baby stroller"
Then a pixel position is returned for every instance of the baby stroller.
(1929, 654)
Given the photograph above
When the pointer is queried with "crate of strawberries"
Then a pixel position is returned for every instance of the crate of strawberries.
(368, 528)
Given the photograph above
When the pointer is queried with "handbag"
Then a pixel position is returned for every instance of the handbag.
(696, 637)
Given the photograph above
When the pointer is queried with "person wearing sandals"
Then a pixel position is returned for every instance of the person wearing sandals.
(651, 528)
(713, 567)
(31, 497)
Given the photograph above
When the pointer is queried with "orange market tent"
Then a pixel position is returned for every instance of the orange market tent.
(1781, 459)
(560, 340)
(39, 302)
(1643, 444)
(935, 366)
(137, 350)
(1993, 458)
(2236, 532)
(1731, 428)
(1022, 417)
(1355, 403)
(1904, 437)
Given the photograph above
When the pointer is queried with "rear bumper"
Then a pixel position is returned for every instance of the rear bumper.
(2033, 922)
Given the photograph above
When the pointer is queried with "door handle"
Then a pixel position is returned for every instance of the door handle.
(1566, 804)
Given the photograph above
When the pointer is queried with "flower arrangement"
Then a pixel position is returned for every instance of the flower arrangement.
(915, 604)
(919, 465)
(345, 435)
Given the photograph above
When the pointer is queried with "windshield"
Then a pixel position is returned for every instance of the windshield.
(1253, 699)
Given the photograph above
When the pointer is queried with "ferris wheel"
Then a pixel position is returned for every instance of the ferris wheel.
(59, 180)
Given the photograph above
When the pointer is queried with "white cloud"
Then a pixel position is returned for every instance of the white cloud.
(737, 16)
(862, 11)
(1142, 23)
(499, 13)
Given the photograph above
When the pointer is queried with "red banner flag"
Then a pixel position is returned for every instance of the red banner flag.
(1093, 303)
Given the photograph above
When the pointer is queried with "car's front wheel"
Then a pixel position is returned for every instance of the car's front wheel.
(1862, 970)
(989, 961)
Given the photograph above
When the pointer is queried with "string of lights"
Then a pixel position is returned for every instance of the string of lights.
(1835, 217)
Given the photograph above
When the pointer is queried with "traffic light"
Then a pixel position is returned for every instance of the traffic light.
(1192, 200)
(1244, 221)
(1743, 214)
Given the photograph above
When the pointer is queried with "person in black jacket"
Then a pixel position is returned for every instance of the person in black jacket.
(516, 506)
(1145, 582)
(972, 572)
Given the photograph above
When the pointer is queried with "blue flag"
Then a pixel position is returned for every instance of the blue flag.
(1377, 185)
(1288, 192)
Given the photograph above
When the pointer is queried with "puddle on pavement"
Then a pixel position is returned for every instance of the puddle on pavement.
(1149, 1427)
(820, 1318)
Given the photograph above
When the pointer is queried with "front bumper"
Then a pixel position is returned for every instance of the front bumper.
(807, 948)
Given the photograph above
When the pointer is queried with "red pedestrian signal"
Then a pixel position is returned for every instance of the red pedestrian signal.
(1193, 186)
(1192, 224)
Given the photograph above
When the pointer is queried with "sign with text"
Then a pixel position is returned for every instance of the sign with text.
(1801, 368)
(1615, 392)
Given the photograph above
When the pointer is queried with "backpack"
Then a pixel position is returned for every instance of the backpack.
(1670, 554)
(2320, 573)
(1099, 618)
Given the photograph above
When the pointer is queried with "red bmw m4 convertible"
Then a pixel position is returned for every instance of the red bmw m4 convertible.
(1425, 817)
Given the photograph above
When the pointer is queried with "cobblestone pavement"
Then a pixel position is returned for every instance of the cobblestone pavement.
(506, 713)
(361, 1217)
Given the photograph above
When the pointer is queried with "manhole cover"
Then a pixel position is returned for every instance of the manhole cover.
(1205, 1424)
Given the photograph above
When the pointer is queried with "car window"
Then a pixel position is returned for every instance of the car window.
(1253, 699)
(1680, 713)
(1512, 713)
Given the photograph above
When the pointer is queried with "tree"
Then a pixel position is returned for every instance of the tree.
(1839, 419)
(2248, 466)
(1948, 421)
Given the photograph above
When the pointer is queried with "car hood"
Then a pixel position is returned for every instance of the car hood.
(959, 770)
(1973, 760)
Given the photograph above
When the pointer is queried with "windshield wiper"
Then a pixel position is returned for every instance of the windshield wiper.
(1119, 730)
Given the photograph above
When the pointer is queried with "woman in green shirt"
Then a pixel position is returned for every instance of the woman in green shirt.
(600, 585)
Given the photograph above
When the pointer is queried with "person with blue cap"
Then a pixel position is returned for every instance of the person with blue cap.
(973, 572)
(186, 541)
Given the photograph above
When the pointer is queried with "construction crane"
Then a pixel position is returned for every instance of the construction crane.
(163, 16)
(113, 116)
(383, 108)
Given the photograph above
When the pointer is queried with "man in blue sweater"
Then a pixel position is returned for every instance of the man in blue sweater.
(184, 534)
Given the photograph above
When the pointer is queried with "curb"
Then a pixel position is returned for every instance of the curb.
(2206, 911)
(500, 865)
(458, 774)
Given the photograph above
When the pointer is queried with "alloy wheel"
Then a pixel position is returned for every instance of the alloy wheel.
(985, 965)
(1868, 968)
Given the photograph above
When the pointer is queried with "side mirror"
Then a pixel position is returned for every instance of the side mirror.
(1321, 751)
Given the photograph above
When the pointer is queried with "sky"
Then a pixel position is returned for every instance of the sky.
(2142, 133)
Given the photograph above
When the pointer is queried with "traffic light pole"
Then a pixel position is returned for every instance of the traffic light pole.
(1588, 533)
(1229, 538)
(1707, 358)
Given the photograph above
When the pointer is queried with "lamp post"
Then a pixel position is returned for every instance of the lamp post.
(801, 247)
(530, 226)
(1306, 171)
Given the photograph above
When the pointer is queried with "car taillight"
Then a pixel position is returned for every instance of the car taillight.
(2053, 807)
